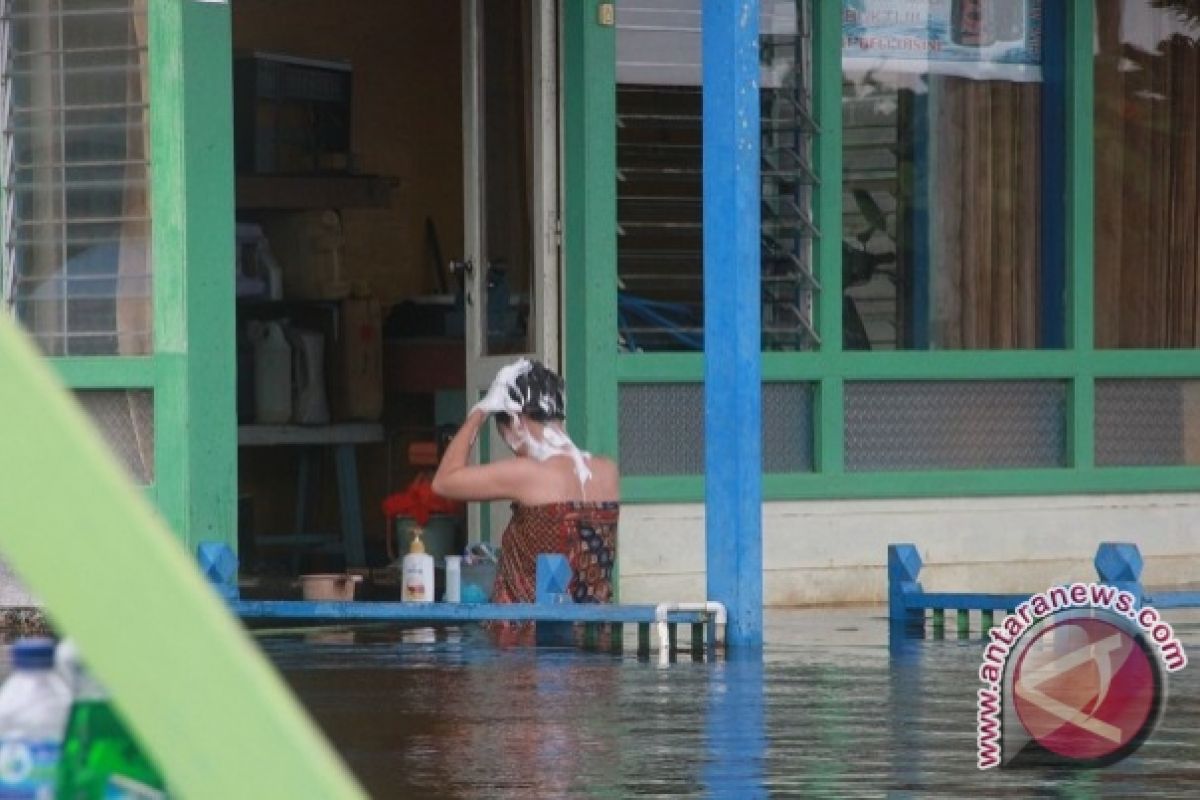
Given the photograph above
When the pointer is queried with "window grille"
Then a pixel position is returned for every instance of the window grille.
(76, 215)
(660, 175)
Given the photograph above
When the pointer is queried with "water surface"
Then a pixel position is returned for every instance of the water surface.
(826, 712)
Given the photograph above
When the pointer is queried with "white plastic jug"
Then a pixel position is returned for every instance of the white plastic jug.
(310, 406)
(272, 373)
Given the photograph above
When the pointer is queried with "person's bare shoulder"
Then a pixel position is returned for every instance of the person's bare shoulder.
(607, 477)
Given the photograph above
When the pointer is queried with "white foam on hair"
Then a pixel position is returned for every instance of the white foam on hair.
(554, 441)
(508, 376)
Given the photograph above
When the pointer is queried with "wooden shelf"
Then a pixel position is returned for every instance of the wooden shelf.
(314, 191)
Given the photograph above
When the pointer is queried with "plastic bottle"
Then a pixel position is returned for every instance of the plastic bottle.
(453, 579)
(101, 758)
(417, 585)
(34, 703)
(309, 403)
(272, 373)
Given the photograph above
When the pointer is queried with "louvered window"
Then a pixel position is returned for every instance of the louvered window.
(76, 215)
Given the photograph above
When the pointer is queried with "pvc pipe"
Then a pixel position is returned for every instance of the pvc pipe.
(712, 608)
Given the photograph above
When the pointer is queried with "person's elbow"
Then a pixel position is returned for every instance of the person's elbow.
(440, 487)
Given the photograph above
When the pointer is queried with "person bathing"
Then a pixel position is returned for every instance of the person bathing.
(564, 500)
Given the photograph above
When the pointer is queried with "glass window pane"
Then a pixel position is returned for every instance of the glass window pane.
(76, 177)
(949, 233)
(659, 186)
(1147, 88)
(508, 183)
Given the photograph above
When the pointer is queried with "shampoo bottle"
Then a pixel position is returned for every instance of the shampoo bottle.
(417, 572)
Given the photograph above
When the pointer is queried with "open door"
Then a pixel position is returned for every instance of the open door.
(510, 150)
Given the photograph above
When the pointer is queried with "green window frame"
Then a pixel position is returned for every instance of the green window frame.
(192, 364)
(596, 372)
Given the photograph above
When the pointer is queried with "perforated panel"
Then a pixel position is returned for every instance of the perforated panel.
(898, 425)
(661, 428)
(126, 420)
(1147, 423)
(787, 427)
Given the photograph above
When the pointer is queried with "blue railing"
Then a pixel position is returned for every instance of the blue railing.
(553, 611)
(1118, 564)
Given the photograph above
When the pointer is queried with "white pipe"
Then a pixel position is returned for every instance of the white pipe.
(712, 608)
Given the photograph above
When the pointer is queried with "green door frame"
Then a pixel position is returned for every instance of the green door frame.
(191, 123)
(589, 320)
(596, 371)
(191, 371)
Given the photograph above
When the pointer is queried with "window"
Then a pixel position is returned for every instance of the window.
(659, 176)
(1147, 206)
(949, 240)
(76, 174)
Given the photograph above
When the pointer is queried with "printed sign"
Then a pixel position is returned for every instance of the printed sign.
(980, 39)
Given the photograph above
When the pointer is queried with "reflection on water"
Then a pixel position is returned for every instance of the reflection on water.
(825, 712)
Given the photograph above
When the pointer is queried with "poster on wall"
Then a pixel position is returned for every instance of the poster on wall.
(979, 39)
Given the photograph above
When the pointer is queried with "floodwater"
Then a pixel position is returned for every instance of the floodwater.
(827, 711)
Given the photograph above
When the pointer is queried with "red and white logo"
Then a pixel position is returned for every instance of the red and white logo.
(1086, 689)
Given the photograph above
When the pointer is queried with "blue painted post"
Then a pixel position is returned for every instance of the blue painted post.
(552, 582)
(1119, 564)
(220, 566)
(904, 565)
(733, 316)
(735, 727)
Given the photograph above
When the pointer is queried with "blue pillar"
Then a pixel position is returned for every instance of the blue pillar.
(732, 316)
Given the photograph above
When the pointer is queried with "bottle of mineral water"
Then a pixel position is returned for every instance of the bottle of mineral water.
(101, 759)
(34, 703)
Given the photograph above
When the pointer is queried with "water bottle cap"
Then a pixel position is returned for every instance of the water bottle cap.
(37, 653)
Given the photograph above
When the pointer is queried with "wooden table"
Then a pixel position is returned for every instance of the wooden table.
(343, 439)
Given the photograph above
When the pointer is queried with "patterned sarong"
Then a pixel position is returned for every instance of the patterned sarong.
(586, 533)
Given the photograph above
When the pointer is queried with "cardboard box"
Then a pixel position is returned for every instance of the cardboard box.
(358, 362)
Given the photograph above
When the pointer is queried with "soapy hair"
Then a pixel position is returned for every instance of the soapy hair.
(539, 391)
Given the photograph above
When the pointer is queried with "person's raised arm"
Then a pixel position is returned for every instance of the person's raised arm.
(458, 479)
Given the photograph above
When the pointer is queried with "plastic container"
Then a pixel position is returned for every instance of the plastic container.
(101, 757)
(34, 704)
(417, 572)
(272, 373)
(453, 579)
(329, 587)
(478, 581)
(310, 406)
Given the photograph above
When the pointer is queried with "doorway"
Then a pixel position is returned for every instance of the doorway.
(423, 169)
